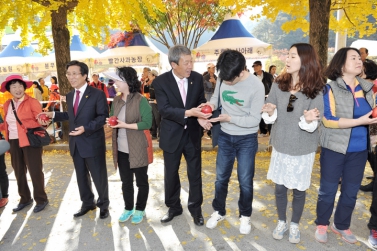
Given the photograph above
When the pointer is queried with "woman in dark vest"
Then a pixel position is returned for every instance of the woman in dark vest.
(130, 143)
(348, 104)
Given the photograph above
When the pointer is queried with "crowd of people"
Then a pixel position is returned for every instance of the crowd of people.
(297, 108)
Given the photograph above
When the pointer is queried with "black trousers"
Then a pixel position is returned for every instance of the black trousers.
(172, 162)
(156, 120)
(263, 128)
(96, 168)
(28, 159)
(372, 158)
(4, 181)
(127, 177)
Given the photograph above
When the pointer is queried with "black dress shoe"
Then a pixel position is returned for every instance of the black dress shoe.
(367, 188)
(22, 206)
(198, 220)
(40, 207)
(104, 213)
(169, 216)
(84, 211)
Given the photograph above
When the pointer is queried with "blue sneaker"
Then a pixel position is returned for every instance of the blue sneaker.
(373, 238)
(126, 215)
(137, 217)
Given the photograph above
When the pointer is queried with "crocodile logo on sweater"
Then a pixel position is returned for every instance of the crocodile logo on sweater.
(227, 97)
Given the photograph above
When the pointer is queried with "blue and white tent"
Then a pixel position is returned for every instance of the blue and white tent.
(13, 59)
(47, 64)
(136, 53)
(232, 35)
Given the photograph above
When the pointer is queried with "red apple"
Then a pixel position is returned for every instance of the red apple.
(113, 121)
(44, 117)
(206, 109)
(374, 112)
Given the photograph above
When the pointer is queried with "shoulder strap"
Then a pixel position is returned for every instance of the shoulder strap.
(15, 114)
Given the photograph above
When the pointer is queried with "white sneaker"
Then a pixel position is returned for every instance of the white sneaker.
(280, 229)
(294, 233)
(245, 227)
(215, 218)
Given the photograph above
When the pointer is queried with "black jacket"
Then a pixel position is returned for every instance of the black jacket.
(267, 81)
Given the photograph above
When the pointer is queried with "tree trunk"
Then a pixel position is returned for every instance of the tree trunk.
(319, 27)
(61, 37)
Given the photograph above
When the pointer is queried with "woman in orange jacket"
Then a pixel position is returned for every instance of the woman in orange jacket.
(23, 157)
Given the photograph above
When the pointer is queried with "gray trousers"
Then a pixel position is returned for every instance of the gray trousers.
(298, 203)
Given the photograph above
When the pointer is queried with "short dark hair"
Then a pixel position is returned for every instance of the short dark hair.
(230, 64)
(129, 75)
(370, 69)
(7, 86)
(366, 50)
(84, 70)
(334, 70)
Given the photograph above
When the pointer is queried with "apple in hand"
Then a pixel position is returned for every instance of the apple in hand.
(206, 109)
(44, 117)
(113, 121)
(374, 112)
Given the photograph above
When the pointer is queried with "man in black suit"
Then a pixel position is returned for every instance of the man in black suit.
(87, 113)
(179, 92)
(267, 80)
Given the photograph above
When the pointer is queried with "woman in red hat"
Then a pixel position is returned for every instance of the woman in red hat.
(23, 157)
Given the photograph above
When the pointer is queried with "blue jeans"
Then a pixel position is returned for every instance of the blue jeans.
(244, 148)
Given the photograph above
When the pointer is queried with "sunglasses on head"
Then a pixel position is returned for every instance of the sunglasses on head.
(292, 99)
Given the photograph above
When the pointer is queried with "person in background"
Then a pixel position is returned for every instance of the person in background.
(24, 158)
(111, 90)
(209, 81)
(96, 83)
(363, 53)
(272, 71)
(294, 105)
(156, 120)
(348, 104)
(46, 92)
(4, 180)
(145, 82)
(239, 120)
(54, 83)
(370, 74)
(129, 142)
(54, 100)
(37, 91)
(267, 80)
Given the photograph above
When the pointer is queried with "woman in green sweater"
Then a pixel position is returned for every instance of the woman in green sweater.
(130, 144)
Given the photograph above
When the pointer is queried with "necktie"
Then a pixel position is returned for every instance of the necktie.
(76, 105)
(182, 90)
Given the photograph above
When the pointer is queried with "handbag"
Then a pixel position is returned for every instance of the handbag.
(216, 127)
(38, 136)
(150, 146)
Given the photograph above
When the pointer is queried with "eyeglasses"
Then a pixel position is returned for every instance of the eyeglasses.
(73, 74)
(292, 99)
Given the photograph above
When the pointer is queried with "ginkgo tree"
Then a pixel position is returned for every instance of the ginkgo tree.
(91, 18)
(181, 21)
(322, 18)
